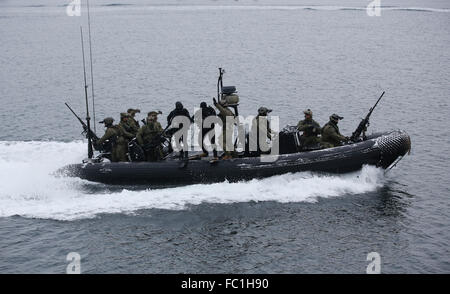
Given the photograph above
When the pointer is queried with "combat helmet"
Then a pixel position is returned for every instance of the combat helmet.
(264, 111)
(133, 111)
(308, 112)
(335, 117)
(153, 113)
(107, 121)
(124, 114)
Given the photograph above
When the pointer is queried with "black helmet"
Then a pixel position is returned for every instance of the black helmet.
(264, 111)
(178, 105)
(132, 111)
(334, 117)
(203, 105)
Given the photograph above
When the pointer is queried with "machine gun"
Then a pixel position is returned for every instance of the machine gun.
(86, 130)
(362, 127)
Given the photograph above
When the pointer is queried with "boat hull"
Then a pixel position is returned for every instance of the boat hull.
(378, 150)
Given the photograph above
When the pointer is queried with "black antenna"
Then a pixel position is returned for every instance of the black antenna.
(220, 84)
(88, 119)
(90, 58)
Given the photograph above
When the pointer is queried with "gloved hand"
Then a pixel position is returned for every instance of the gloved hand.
(214, 101)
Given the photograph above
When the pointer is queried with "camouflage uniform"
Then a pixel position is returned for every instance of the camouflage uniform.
(331, 137)
(147, 138)
(310, 128)
(127, 125)
(122, 143)
(261, 118)
(131, 126)
(110, 136)
(132, 122)
(118, 139)
(224, 112)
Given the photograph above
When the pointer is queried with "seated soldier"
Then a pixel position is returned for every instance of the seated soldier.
(106, 144)
(311, 130)
(117, 139)
(149, 137)
(331, 137)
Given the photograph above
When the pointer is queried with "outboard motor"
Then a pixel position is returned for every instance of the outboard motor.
(226, 95)
(229, 96)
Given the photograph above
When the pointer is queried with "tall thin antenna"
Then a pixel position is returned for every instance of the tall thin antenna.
(88, 119)
(90, 57)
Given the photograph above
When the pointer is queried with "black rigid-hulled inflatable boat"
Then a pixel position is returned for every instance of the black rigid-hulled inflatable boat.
(381, 150)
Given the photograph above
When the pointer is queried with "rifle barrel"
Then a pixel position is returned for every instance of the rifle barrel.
(86, 129)
(376, 103)
(364, 123)
(74, 113)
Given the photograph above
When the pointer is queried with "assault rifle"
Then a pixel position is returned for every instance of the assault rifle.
(362, 127)
(91, 134)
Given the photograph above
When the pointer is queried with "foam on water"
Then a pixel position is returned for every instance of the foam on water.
(197, 7)
(269, 7)
(28, 187)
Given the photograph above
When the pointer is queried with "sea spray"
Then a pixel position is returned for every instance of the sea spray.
(29, 188)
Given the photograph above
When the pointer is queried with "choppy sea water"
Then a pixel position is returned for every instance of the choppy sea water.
(287, 56)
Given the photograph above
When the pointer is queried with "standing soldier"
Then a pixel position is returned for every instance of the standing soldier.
(148, 137)
(125, 123)
(206, 111)
(132, 122)
(259, 121)
(331, 137)
(179, 111)
(225, 112)
(125, 135)
(310, 128)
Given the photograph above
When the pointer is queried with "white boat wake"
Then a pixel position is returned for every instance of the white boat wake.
(28, 187)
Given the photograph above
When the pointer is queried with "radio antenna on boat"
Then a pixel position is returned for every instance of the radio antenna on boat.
(90, 58)
(88, 119)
